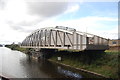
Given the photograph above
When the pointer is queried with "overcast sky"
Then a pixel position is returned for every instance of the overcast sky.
(18, 18)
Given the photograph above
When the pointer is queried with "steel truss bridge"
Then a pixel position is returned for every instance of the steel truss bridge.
(60, 37)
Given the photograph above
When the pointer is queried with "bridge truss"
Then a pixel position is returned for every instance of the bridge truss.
(64, 38)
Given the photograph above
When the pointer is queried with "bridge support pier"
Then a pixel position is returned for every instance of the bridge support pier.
(46, 53)
(42, 53)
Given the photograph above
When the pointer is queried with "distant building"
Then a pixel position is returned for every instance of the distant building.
(114, 42)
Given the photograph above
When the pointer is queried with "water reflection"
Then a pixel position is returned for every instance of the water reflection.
(40, 68)
(15, 64)
(48, 68)
(69, 73)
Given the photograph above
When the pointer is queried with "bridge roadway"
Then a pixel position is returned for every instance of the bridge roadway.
(60, 37)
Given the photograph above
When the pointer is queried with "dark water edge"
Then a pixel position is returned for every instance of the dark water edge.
(15, 64)
(46, 70)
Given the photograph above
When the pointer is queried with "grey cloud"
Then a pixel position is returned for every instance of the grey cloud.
(31, 23)
(43, 10)
(19, 27)
(47, 9)
(16, 27)
(2, 4)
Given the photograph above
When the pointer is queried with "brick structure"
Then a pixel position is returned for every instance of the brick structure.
(114, 44)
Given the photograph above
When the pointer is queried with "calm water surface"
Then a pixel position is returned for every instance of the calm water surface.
(15, 64)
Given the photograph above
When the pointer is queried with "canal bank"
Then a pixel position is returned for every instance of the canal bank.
(103, 63)
(20, 65)
(83, 70)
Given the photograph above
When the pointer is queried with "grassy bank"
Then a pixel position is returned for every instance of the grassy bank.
(16, 47)
(105, 63)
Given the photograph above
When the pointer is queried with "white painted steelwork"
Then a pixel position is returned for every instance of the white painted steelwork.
(64, 38)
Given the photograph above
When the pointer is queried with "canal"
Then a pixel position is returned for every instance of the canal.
(15, 64)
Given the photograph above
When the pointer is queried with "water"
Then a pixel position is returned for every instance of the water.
(15, 64)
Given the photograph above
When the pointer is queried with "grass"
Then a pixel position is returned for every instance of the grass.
(16, 47)
(105, 63)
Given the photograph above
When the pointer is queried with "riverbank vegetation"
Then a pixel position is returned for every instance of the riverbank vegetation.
(105, 63)
(17, 47)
